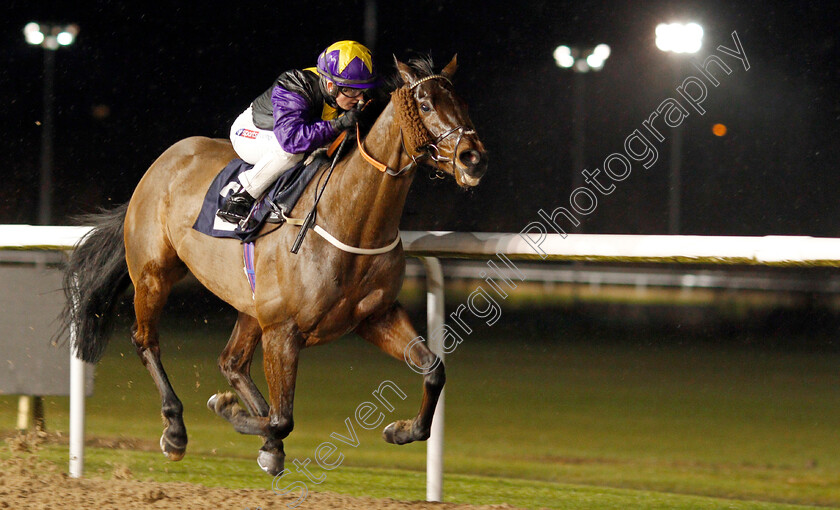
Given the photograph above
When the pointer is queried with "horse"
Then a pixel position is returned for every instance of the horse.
(300, 300)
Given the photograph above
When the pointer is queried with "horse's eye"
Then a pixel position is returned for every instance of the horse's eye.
(425, 108)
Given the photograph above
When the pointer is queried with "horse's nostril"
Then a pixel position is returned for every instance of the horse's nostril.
(475, 163)
(470, 157)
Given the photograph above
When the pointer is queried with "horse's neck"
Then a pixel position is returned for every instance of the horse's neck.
(365, 205)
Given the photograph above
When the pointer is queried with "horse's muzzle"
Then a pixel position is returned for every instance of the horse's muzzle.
(475, 165)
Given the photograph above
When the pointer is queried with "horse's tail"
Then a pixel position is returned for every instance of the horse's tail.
(94, 279)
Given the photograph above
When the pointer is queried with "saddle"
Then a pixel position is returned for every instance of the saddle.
(273, 207)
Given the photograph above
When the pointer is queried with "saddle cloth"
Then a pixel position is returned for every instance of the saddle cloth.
(282, 196)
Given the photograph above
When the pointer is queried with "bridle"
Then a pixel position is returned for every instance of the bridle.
(426, 149)
(431, 149)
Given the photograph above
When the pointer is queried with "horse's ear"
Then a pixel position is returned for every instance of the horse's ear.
(406, 73)
(451, 67)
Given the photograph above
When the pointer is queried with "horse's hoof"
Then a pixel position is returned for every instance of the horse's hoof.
(224, 404)
(398, 432)
(172, 452)
(271, 463)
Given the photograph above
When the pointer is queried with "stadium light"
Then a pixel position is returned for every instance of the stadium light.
(563, 57)
(581, 60)
(50, 37)
(677, 38)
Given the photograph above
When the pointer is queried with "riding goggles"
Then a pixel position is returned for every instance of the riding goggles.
(351, 92)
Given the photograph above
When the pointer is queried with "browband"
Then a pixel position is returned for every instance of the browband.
(430, 77)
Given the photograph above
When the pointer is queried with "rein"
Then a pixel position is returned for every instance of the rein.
(382, 167)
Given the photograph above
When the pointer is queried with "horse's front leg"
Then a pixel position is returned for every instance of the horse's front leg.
(281, 350)
(393, 333)
(235, 363)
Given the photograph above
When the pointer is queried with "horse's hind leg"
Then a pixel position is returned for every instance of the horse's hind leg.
(393, 333)
(235, 364)
(151, 288)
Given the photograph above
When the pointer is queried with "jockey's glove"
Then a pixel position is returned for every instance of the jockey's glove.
(346, 121)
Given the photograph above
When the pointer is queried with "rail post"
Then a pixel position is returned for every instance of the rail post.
(77, 399)
(434, 318)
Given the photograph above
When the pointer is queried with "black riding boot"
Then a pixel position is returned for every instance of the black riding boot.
(237, 207)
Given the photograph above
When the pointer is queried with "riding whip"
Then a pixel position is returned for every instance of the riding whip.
(309, 221)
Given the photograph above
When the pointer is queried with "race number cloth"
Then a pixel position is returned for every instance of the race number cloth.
(284, 194)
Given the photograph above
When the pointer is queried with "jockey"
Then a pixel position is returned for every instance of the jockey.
(302, 111)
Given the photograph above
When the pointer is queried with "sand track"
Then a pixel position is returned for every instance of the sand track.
(27, 481)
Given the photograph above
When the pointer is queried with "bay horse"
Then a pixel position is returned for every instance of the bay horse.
(300, 300)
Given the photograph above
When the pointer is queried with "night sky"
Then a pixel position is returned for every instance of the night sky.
(143, 75)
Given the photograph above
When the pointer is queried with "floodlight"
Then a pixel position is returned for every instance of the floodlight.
(563, 57)
(581, 59)
(50, 36)
(594, 62)
(32, 33)
(602, 51)
(679, 37)
(67, 35)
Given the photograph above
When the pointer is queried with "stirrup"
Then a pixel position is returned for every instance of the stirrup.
(234, 204)
(229, 216)
(248, 222)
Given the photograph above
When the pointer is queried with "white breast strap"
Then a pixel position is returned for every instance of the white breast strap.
(346, 247)
(352, 249)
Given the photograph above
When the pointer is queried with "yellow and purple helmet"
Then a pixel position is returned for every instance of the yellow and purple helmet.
(348, 64)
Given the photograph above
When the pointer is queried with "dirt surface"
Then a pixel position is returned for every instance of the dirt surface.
(27, 481)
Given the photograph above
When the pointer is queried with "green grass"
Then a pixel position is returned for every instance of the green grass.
(537, 415)
(237, 473)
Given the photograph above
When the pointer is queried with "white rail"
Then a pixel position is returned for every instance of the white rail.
(751, 250)
(767, 250)
(758, 250)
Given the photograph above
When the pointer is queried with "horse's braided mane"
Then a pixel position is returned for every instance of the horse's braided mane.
(408, 117)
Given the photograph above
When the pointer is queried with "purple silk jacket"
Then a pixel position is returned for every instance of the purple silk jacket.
(296, 108)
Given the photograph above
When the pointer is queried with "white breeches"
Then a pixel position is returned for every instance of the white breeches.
(260, 148)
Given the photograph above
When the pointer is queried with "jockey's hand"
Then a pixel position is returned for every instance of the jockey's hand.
(346, 121)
